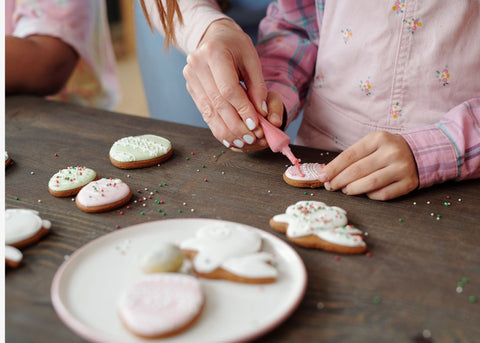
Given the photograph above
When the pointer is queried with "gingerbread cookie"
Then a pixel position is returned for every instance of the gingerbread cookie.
(165, 258)
(229, 251)
(140, 151)
(7, 159)
(161, 305)
(103, 195)
(312, 224)
(69, 181)
(310, 172)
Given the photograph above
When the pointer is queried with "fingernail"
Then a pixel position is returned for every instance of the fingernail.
(264, 107)
(275, 119)
(238, 143)
(344, 190)
(328, 186)
(250, 124)
(226, 143)
(323, 177)
(249, 139)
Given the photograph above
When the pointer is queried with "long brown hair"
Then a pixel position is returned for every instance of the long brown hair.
(167, 14)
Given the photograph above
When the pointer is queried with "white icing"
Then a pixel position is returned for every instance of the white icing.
(315, 218)
(6, 156)
(71, 178)
(139, 148)
(21, 224)
(166, 257)
(230, 246)
(310, 170)
(13, 254)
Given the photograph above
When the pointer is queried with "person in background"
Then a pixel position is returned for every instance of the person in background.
(61, 49)
(393, 85)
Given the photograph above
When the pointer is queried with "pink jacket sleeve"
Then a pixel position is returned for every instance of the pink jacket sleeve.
(449, 149)
(288, 44)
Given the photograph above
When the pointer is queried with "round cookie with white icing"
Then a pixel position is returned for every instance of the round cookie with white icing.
(229, 251)
(24, 227)
(161, 305)
(310, 171)
(140, 151)
(165, 258)
(13, 256)
(312, 224)
(7, 159)
(69, 181)
(103, 195)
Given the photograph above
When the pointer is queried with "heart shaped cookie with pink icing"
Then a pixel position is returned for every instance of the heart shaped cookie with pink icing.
(309, 179)
(103, 195)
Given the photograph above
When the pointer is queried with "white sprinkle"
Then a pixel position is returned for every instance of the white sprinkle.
(414, 202)
(128, 175)
(459, 289)
(151, 193)
(198, 170)
(39, 200)
(460, 199)
(146, 189)
(144, 205)
(134, 201)
(320, 306)
(432, 214)
(73, 199)
(223, 173)
(184, 204)
(366, 233)
(311, 194)
(428, 202)
(192, 210)
(32, 173)
(426, 333)
(269, 191)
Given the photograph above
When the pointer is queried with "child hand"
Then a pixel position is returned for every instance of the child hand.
(224, 57)
(381, 165)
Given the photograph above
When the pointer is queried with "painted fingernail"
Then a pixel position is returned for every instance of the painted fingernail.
(328, 186)
(264, 107)
(323, 177)
(248, 139)
(226, 143)
(250, 124)
(238, 143)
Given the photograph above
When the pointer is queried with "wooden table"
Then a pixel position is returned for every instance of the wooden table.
(420, 245)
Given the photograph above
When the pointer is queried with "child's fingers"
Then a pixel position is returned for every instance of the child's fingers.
(391, 191)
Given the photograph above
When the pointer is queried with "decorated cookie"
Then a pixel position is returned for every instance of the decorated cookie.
(24, 227)
(7, 159)
(161, 305)
(103, 195)
(69, 181)
(13, 256)
(166, 257)
(140, 151)
(313, 224)
(310, 172)
(229, 251)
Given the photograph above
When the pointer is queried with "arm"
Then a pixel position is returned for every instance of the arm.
(37, 64)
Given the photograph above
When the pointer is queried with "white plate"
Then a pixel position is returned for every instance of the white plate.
(87, 286)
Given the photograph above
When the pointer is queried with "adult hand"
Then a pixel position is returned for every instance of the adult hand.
(224, 57)
(381, 165)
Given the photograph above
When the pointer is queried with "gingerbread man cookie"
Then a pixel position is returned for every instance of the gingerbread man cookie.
(229, 251)
(140, 151)
(312, 224)
(103, 195)
(69, 181)
(309, 179)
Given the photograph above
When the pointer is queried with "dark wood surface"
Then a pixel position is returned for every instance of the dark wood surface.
(404, 292)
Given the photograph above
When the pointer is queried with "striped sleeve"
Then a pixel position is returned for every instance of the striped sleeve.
(287, 46)
(449, 149)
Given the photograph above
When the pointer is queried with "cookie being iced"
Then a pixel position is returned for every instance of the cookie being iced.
(312, 224)
(140, 151)
(229, 251)
(309, 179)
(161, 305)
(69, 181)
(103, 195)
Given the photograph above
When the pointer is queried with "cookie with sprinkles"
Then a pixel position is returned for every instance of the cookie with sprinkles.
(69, 181)
(309, 179)
(140, 151)
(103, 195)
(313, 224)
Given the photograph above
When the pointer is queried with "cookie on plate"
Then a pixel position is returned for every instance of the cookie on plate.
(310, 172)
(140, 151)
(165, 258)
(103, 195)
(23, 227)
(229, 251)
(312, 224)
(69, 181)
(161, 305)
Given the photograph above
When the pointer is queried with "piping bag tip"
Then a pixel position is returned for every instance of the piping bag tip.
(295, 161)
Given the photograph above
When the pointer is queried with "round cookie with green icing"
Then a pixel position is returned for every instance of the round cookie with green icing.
(140, 151)
(70, 181)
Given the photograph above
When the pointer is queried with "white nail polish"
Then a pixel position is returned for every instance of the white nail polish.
(264, 107)
(250, 124)
(226, 143)
(238, 143)
(249, 139)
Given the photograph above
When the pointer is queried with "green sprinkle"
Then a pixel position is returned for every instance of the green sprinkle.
(164, 214)
(164, 183)
(179, 211)
(472, 299)
(157, 201)
(16, 198)
(203, 166)
(377, 300)
(159, 210)
(155, 191)
(187, 158)
(142, 213)
(464, 280)
(223, 151)
(159, 185)
(305, 193)
(400, 220)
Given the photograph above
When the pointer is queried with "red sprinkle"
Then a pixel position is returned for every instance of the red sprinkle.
(205, 180)
(117, 226)
(337, 257)
(368, 254)
(161, 201)
(121, 212)
(56, 155)
(128, 207)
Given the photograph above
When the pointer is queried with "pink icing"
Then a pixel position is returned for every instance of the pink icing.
(310, 172)
(161, 303)
(102, 192)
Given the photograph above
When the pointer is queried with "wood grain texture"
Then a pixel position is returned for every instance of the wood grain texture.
(416, 260)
